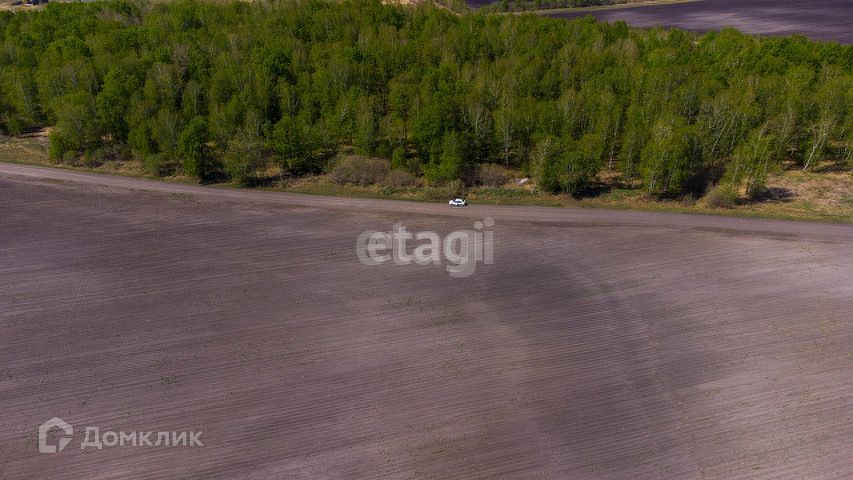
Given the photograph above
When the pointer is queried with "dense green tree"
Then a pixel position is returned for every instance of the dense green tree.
(113, 102)
(751, 161)
(193, 150)
(76, 129)
(366, 128)
(451, 163)
(580, 160)
(666, 158)
(544, 165)
(242, 157)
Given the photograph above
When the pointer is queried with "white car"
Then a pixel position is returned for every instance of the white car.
(457, 202)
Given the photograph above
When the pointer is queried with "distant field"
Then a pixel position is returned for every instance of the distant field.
(615, 4)
(825, 20)
(829, 20)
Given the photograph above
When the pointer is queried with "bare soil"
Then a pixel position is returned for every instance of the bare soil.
(823, 20)
(600, 344)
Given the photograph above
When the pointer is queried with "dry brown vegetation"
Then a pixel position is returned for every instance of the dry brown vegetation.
(360, 170)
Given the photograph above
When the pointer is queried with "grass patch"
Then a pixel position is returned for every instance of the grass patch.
(824, 197)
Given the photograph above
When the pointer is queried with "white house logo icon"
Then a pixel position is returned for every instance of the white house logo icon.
(49, 425)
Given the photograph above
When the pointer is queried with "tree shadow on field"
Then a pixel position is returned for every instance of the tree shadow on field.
(603, 187)
(264, 181)
(214, 178)
(592, 191)
(830, 167)
(770, 194)
(697, 185)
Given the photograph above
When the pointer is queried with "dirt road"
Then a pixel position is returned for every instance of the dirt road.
(600, 344)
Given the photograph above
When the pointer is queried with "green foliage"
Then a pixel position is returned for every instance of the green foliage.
(451, 162)
(398, 158)
(193, 150)
(113, 102)
(751, 162)
(546, 156)
(566, 164)
(723, 195)
(232, 88)
(666, 162)
(242, 158)
(581, 160)
(289, 144)
(76, 126)
(58, 147)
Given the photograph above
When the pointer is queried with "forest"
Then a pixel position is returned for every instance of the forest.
(231, 90)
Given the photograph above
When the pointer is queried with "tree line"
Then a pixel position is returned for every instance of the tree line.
(212, 89)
